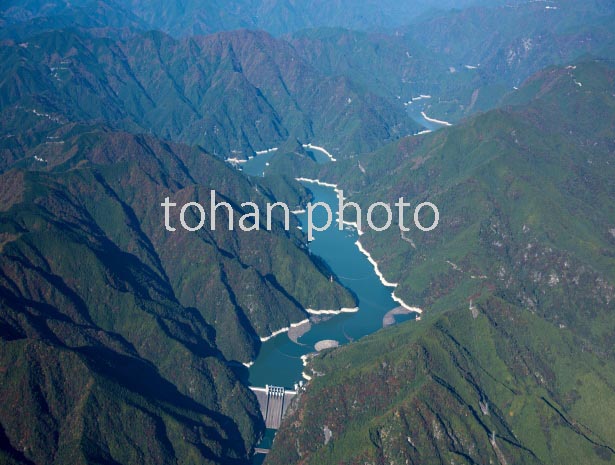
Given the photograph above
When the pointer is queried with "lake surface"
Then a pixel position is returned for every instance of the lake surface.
(279, 361)
(257, 166)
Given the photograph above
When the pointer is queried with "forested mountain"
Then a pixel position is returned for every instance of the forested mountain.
(116, 334)
(466, 60)
(192, 17)
(231, 93)
(514, 361)
(344, 89)
(124, 343)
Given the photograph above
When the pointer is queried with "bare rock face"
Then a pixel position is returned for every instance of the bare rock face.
(326, 344)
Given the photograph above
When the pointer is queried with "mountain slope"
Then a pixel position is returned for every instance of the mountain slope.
(100, 360)
(120, 180)
(231, 93)
(506, 181)
(513, 360)
(501, 387)
(186, 18)
(488, 51)
(465, 60)
(116, 334)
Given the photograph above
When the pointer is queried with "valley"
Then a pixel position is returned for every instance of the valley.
(488, 369)
(174, 286)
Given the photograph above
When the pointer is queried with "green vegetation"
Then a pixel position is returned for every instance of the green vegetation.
(518, 284)
(115, 333)
(231, 93)
(438, 390)
(122, 343)
(506, 183)
(467, 60)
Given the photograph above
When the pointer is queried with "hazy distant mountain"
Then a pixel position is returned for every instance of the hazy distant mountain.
(231, 93)
(185, 18)
(283, 16)
(465, 60)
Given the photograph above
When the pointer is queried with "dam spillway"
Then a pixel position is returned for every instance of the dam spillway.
(273, 402)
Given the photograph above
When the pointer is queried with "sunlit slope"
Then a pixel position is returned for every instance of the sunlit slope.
(513, 359)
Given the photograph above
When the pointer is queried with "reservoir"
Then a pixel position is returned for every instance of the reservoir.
(279, 360)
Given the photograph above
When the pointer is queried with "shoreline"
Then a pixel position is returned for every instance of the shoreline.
(263, 152)
(318, 182)
(339, 192)
(297, 332)
(332, 312)
(384, 281)
(310, 311)
(405, 305)
(284, 330)
(235, 161)
(320, 149)
(434, 120)
(374, 263)
(326, 344)
(238, 161)
(389, 318)
(407, 308)
(362, 249)
(353, 224)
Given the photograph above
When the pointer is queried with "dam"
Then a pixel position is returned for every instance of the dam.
(273, 402)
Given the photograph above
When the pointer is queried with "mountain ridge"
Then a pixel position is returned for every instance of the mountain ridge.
(198, 91)
(118, 337)
(511, 359)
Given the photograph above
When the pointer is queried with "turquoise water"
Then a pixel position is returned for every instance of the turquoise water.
(279, 361)
(257, 166)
